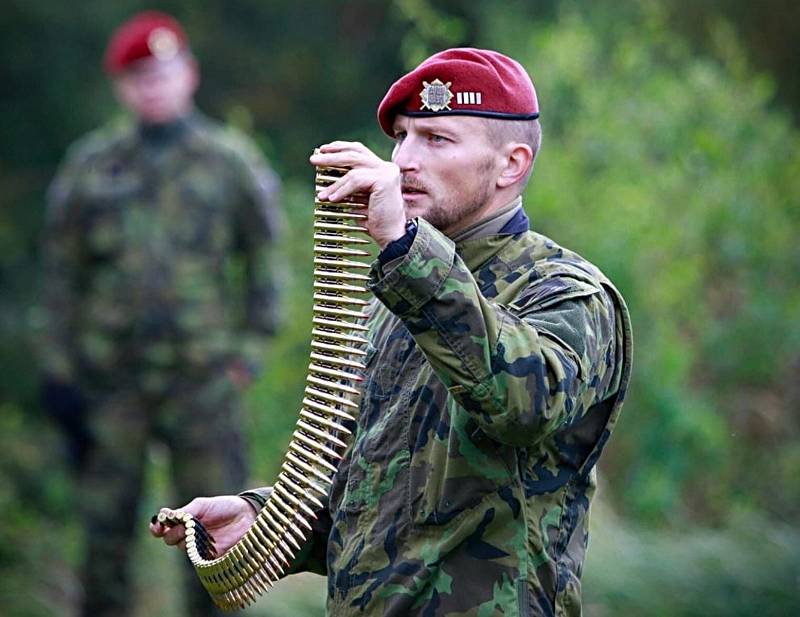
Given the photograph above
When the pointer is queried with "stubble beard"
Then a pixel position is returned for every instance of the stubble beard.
(447, 215)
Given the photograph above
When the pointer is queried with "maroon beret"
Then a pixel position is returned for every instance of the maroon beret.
(146, 34)
(462, 81)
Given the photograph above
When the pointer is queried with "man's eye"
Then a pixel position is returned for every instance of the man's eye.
(399, 135)
(437, 138)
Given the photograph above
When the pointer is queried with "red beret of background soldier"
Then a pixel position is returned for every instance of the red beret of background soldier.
(149, 338)
(147, 35)
(496, 369)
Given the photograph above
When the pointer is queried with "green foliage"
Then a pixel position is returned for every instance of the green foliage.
(275, 399)
(673, 173)
(433, 30)
(749, 568)
(37, 545)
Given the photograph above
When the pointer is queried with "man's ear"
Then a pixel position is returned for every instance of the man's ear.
(517, 160)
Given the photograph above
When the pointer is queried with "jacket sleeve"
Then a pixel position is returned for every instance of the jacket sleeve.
(62, 264)
(260, 225)
(524, 369)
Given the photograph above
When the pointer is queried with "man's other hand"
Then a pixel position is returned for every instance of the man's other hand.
(226, 518)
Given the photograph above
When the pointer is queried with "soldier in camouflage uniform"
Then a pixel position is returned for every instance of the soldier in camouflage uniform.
(496, 369)
(161, 295)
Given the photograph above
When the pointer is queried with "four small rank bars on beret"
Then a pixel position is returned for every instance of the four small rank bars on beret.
(436, 96)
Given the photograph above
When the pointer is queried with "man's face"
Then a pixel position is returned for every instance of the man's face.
(158, 91)
(449, 169)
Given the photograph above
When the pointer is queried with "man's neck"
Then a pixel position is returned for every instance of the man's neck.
(164, 133)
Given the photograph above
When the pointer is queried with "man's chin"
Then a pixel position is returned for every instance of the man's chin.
(156, 115)
(414, 208)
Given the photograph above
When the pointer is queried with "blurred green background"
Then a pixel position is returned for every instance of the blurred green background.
(671, 159)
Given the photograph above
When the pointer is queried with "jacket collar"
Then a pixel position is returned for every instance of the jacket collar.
(164, 135)
(482, 241)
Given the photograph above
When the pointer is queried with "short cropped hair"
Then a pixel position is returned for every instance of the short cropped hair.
(501, 132)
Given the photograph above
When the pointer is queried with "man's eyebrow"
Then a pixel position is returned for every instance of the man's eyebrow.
(437, 129)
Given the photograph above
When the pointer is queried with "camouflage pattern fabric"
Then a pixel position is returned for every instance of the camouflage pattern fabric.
(143, 235)
(198, 418)
(496, 371)
(160, 273)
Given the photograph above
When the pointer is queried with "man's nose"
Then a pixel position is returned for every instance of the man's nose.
(405, 155)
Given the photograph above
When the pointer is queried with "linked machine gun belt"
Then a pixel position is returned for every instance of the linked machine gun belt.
(330, 403)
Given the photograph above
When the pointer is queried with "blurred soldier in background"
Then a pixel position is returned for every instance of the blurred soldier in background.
(160, 295)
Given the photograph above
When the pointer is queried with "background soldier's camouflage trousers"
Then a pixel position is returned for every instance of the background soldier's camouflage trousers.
(198, 419)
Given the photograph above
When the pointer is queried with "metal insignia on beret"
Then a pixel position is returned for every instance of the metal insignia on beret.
(436, 95)
(162, 43)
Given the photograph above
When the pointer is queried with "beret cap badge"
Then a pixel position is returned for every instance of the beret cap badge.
(163, 43)
(435, 95)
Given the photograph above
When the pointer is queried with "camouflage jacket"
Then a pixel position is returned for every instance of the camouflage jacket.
(495, 373)
(159, 250)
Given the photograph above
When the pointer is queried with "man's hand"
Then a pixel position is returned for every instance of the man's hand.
(386, 217)
(226, 518)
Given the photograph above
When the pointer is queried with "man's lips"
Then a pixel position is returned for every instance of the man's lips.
(411, 191)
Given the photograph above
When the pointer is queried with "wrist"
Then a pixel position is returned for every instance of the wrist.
(395, 234)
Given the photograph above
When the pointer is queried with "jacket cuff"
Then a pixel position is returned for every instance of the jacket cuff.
(417, 277)
(256, 497)
(400, 247)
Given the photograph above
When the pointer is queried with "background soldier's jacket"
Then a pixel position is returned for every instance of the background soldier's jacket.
(496, 372)
(141, 228)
